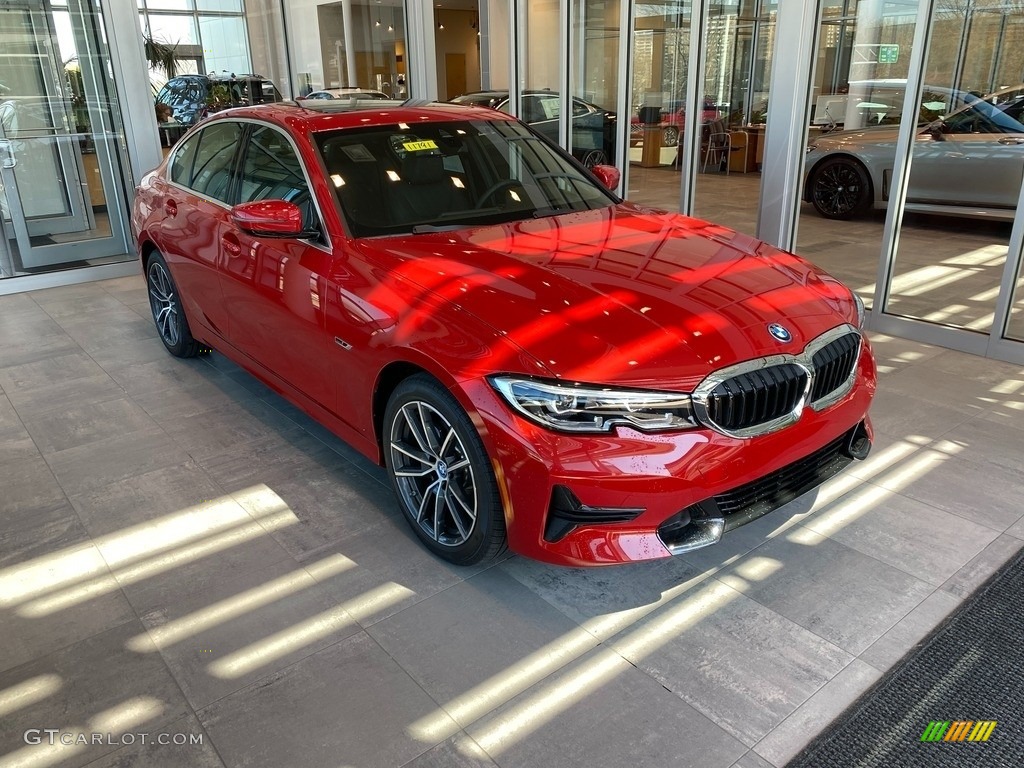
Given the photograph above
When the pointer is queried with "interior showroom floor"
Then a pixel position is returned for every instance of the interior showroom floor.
(184, 555)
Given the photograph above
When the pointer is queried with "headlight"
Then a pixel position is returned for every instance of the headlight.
(861, 311)
(580, 408)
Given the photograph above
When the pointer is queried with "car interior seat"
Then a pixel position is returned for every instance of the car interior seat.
(426, 189)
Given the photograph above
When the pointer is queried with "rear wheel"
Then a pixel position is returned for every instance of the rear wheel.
(168, 314)
(840, 188)
(441, 475)
(670, 136)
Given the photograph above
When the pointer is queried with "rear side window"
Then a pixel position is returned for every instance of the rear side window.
(181, 163)
(211, 170)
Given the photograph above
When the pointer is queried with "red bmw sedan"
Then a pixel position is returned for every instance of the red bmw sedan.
(538, 364)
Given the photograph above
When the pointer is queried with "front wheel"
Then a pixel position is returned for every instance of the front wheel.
(168, 313)
(441, 475)
(840, 188)
(595, 157)
(670, 136)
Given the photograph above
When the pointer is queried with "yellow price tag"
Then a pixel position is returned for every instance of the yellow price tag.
(419, 146)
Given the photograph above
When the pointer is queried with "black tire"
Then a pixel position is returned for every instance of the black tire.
(594, 157)
(168, 313)
(670, 136)
(456, 513)
(840, 188)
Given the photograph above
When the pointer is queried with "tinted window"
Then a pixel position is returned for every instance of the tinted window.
(181, 164)
(272, 171)
(186, 96)
(211, 171)
(400, 178)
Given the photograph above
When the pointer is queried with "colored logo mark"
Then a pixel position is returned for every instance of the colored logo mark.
(958, 730)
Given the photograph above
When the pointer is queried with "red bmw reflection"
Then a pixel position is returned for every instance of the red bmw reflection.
(537, 364)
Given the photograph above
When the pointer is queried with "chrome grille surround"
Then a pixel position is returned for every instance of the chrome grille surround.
(804, 360)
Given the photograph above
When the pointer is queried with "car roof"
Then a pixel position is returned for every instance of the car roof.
(328, 115)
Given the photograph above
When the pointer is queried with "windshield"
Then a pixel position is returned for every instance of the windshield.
(427, 177)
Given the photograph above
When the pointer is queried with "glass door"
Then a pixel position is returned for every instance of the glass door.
(61, 160)
(738, 42)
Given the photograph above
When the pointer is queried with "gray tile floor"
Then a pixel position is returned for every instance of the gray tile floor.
(183, 553)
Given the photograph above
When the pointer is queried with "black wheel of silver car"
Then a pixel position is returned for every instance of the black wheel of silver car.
(595, 157)
(441, 474)
(168, 314)
(670, 136)
(840, 188)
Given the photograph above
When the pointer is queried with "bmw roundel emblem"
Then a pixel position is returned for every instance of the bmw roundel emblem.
(780, 332)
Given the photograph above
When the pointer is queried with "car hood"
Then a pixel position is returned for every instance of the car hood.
(625, 295)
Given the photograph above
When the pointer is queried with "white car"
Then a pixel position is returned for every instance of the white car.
(347, 93)
(966, 163)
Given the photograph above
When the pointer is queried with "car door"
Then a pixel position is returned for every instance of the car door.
(975, 157)
(273, 286)
(196, 211)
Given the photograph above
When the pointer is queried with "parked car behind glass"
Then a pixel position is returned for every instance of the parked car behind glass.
(193, 97)
(593, 128)
(968, 163)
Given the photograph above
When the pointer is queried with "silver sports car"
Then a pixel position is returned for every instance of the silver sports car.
(967, 163)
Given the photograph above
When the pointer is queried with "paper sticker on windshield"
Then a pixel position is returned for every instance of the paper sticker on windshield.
(419, 146)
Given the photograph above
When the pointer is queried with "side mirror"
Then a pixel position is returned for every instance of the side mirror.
(608, 175)
(269, 218)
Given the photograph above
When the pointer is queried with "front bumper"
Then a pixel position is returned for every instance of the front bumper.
(669, 485)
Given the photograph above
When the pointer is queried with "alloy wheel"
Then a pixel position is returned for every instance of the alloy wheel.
(838, 190)
(433, 473)
(163, 302)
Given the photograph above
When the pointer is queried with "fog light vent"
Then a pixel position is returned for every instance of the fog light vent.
(566, 512)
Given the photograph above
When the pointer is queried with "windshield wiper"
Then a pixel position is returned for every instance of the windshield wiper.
(424, 229)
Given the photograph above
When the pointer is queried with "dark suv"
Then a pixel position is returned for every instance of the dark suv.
(193, 97)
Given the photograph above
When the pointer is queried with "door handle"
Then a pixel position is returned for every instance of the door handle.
(170, 207)
(1011, 141)
(231, 246)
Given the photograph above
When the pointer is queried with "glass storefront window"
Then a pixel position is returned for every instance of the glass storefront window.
(966, 166)
(594, 80)
(858, 92)
(734, 110)
(661, 50)
(225, 44)
(174, 30)
(337, 46)
(62, 167)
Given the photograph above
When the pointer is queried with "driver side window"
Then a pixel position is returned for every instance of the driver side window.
(272, 171)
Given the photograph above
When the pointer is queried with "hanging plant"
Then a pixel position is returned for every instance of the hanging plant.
(161, 55)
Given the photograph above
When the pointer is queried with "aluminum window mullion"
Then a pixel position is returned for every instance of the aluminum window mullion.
(422, 69)
(564, 73)
(517, 56)
(690, 158)
(622, 98)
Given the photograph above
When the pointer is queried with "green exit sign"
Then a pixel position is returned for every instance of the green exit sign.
(888, 54)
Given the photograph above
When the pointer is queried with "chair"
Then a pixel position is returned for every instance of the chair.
(716, 146)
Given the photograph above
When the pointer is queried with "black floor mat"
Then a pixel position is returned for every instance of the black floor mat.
(965, 676)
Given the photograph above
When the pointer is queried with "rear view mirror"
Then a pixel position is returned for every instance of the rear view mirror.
(608, 175)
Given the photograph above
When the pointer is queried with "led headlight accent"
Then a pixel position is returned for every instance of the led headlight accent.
(571, 407)
(861, 311)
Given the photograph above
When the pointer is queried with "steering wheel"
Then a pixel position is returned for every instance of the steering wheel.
(492, 190)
